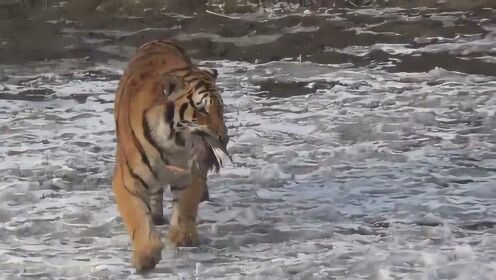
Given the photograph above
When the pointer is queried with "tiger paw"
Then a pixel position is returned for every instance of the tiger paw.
(184, 236)
(147, 254)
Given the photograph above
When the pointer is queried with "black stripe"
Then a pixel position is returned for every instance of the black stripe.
(169, 112)
(191, 102)
(182, 110)
(188, 77)
(138, 146)
(171, 128)
(144, 158)
(174, 200)
(189, 74)
(136, 195)
(169, 117)
(165, 43)
(149, 138)
(181, 69)
(136, 176)
(198, 85)
(204, 92)
(176, 188)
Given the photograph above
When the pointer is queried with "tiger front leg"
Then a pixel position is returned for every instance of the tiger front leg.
(135, 213)
(182, 232)
(176, 175)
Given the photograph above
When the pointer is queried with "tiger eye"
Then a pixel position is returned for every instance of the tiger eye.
(202, 110)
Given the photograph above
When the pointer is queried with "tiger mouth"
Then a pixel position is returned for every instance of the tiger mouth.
(213, 159)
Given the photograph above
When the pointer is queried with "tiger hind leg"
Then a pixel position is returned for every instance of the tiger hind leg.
(157, 206)
(136, 215)
(182, 232)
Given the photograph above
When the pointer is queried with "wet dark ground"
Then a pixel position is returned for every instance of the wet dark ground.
(318, 38)
(364, 145)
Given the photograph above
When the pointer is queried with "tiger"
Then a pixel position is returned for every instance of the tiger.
(170, 131)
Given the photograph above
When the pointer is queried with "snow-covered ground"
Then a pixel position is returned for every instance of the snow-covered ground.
(340, 172)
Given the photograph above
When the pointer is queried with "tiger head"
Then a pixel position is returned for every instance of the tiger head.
(196, 115)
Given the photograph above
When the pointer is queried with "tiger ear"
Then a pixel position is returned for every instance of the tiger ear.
(211, 71)
(172, 84)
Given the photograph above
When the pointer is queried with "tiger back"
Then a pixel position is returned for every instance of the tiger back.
(170, 131)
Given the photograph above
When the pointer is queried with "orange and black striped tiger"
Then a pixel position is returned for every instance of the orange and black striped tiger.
(170, 131)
